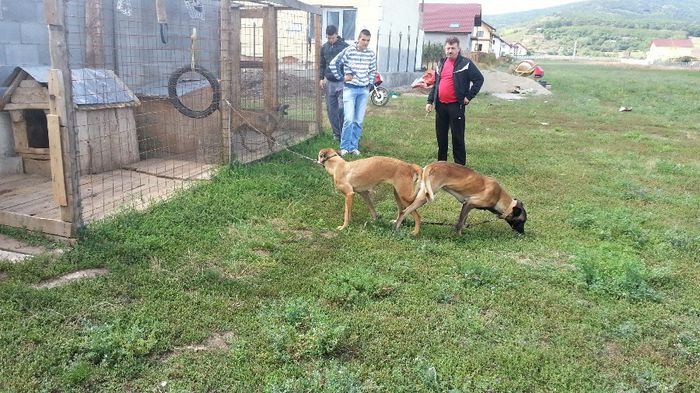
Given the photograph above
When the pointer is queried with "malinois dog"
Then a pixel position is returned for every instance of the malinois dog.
(472, 189)
(362, 176)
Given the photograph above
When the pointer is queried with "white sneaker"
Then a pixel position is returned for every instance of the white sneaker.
(355, 152)
(343, 152)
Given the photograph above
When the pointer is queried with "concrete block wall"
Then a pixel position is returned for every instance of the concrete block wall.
(24, 37)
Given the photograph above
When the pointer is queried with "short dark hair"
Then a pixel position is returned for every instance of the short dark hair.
(365, 32)
(331, 30)
(452, 40)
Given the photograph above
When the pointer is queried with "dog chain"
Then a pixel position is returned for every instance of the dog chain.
(231, 109)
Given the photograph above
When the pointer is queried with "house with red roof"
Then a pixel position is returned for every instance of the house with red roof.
(668, 49)
(440, 21)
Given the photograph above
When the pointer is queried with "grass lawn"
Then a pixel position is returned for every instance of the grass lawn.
(243, 284)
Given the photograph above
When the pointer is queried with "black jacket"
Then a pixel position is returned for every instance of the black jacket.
(466, 77)
(328, 53)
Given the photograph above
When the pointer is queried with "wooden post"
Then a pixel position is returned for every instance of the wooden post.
(225, 66)
(94, 45)
(317, 72)
(270, 59)
(58, 50)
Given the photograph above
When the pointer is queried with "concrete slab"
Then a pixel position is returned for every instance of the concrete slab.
(13, 256)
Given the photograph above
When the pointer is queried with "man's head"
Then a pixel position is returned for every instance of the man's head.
(363, 39)
(331, 34)
(452, 47)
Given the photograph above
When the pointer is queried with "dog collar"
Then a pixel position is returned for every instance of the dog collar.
(328, 158)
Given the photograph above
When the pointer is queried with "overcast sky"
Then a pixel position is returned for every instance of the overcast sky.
(492, 7)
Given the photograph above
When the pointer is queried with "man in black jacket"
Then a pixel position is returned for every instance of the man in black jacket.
(332, 85)
(457, 82)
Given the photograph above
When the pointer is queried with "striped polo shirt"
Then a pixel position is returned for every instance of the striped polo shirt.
(361, 64)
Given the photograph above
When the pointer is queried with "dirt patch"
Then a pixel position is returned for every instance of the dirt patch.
(497, 83)
(3, 276)
(215, 342)
(68, 278)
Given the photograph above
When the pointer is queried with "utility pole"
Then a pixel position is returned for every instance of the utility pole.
(575, 42)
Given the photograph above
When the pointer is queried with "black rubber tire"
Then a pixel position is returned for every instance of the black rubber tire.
(175, 100)
(380, 97)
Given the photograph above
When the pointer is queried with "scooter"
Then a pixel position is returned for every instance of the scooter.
(378, 95)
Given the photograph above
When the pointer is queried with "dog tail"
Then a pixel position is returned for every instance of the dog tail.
(417, 175)
(428, 187)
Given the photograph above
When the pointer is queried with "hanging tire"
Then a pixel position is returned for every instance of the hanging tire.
(175, 100)
(379, 96)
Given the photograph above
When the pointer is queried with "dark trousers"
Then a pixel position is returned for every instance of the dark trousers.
(450, 116)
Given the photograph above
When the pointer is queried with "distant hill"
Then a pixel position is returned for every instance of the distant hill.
(600, 27)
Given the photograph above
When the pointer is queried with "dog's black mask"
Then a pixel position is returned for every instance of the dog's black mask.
(516, 219)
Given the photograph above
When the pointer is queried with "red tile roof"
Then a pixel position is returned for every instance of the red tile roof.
(449, 18)
(687, 43)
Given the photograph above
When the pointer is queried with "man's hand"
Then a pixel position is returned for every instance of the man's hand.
(322, 83)
(428, 108)
(347, 78)
(466, 101)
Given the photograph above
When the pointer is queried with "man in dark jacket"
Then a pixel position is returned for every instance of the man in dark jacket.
(457, 82)
(333, 87)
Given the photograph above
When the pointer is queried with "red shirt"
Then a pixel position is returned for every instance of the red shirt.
(446, 89)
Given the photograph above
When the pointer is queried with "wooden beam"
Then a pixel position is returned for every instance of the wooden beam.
(63, 107)
(270, 98)
(293, 4)
(317, 71)
(253, 13)
(226, 36)
(45, 225)
(58, 186)
(94, 45)
(15, 107)
(5, 99)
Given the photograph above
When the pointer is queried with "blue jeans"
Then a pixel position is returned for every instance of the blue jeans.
(334, 105)
(354, 106)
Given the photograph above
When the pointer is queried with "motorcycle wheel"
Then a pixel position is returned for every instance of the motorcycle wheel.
(379, 96)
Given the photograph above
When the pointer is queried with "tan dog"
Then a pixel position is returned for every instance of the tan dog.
(472, 189)
(362, 176)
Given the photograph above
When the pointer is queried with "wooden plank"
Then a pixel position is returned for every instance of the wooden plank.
(58, 51)
(226, 31)
(11, 89)
(253, 13)
(35, 105)
(30, 95)
(94, 48)
(57, 101)
(270, 59)
(58, 186)
(33, 152)
(53, 227)
(317, 71)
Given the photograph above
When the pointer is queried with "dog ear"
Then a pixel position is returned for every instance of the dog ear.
(518, 208)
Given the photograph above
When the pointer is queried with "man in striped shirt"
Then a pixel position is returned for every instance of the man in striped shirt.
(356, 65)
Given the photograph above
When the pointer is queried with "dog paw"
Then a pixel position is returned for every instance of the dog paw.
(340, 228)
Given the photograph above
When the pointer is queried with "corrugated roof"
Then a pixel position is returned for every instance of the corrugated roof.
(449, 18)
(90, 86)
(669, 43)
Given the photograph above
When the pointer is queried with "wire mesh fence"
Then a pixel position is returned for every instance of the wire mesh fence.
(166, 91)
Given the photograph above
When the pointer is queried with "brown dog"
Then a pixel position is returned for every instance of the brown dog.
(362, 176)
(472, 189)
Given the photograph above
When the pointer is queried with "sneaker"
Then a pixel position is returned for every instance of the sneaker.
(343, 152)
(355, 152)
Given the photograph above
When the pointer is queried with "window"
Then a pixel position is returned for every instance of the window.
(480, 33)
(343, 19)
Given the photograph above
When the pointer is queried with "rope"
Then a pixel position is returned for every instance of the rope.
(232, 109)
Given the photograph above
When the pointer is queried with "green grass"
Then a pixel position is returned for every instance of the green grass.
(600, 294)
